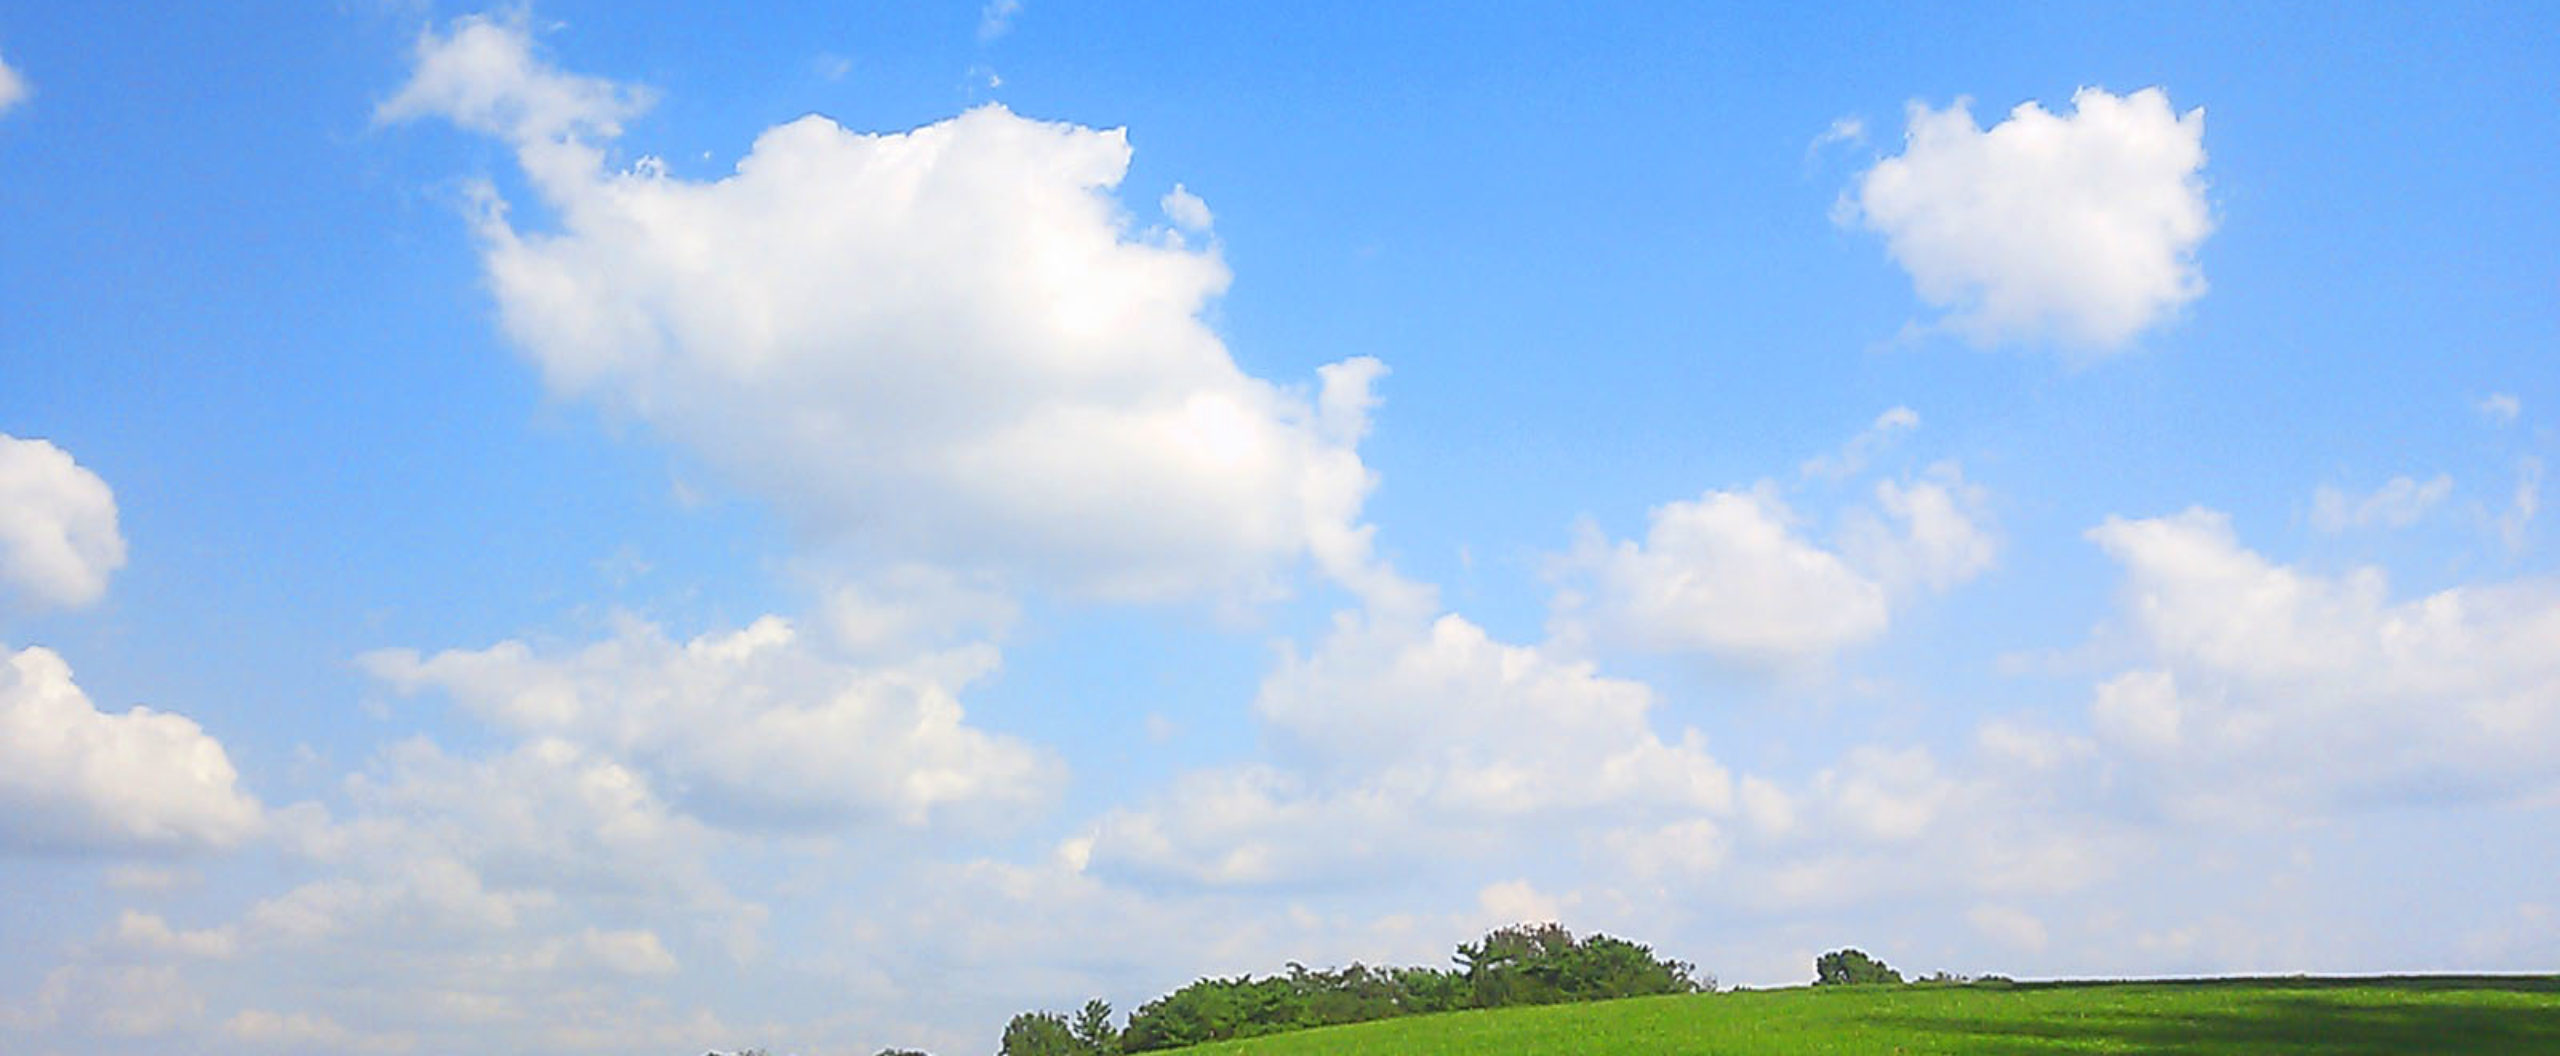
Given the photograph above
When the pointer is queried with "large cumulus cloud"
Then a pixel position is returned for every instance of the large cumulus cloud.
(947, 344)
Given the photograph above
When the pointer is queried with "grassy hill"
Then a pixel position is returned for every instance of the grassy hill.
(2348, 1017)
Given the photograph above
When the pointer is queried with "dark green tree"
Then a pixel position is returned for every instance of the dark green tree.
(1038, 1034)
(1851, 967)
(1537, 964)
(1524, 964)
(1517, 965)
(1093, 1030)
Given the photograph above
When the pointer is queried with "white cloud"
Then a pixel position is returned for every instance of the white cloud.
(944, 344)
(755, 726)
(150, 878)
(1186, 210)
(1850, 130)
(2079, 229)
(544, 815)
(996, 18)
(305, 1032)
(483, 77)
(1486, 726)
(2397, 504)
(2527, 502)
(2009, 926)
(1888, 795)
(121, 1001)
(1728, 574)
(910, 608)
(2140, 710)
(58, 536)
(1406, 738)
(542, 895)
(13, 88)
(1516, 902)
(1883, 824)
(72, 777)
(1853, 455)
(1942, 538)
(149, 933)
(636, 951)
(1676, 851)
(1769, 809)
(1734, 575)
(2268, 688)
(2500, 408)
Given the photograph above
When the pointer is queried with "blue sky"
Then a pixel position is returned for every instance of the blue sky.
(627, 527)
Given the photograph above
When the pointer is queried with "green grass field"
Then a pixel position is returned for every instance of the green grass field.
(2505, 1015)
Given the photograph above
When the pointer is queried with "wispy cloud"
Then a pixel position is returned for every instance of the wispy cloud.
(2528, 501)
(13, 87)
(2397, 504)
(996, 19)
(2500, 408)
(1850, 130)
(1852, 456)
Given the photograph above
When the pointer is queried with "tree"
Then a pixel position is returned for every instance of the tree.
(1851, 967)
(1038, 1034)
(1093, 1030)
(1537, 964)
(1517, 965)
(1601, 967)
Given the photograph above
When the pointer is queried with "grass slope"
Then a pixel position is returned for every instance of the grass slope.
(2284, 1017)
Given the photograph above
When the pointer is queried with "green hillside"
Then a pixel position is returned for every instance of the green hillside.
(2350, 1017)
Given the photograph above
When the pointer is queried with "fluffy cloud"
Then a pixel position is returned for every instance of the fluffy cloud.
(909, 608)
(1888, 795)
(541, 894)
(1732, 574)
(1932, 533)
(2272, 688)
(1402, 736)
(304, 1032)
(72, 777)
(1728, 574)
(946, 344)
(754, 726)
(1736, 574)
(117, 1001)
(2009, 926)
(148, 933)
(2079, 228)
(1186, 210)
(2396, 504)
(1884, 823)
(502, 832)
(13, 87)
(58, 537)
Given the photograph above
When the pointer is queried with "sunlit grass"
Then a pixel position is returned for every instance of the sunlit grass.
(2352, 1017)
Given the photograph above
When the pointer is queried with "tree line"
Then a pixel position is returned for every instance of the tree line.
(1528, 964)
(1525, 964)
